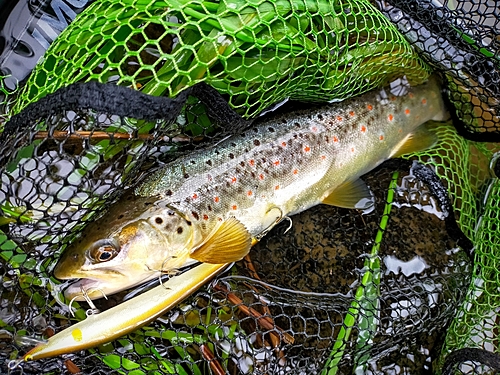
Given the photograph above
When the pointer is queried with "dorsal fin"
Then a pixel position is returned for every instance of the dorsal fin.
(229, 242)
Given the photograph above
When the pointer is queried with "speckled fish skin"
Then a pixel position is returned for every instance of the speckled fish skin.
(292, 161)
(278, 167)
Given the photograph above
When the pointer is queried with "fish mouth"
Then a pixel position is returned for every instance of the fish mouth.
(92, 288)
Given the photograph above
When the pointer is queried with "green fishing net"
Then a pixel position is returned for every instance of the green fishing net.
(258, 53)
(390, 292)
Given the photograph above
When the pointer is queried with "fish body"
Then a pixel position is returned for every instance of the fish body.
(210, 205)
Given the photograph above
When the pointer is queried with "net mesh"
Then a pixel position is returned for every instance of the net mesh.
(389, 292)
(257, 53)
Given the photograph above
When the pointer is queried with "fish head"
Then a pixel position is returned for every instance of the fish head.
(115, 254)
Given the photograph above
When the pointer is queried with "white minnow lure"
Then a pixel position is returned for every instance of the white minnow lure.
(126, 317)
(210, 205)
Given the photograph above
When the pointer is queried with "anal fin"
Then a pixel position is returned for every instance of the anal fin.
(229, 242)
(351, 194)
(420, 139)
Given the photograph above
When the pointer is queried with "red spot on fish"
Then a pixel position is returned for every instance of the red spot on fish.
(400, 130)
(352, 149)
(216, 199)
(234, 207)
(407, 111)
(351, 113)
(323, 157)
(251, 162)
(249, 193)
(393, 98)
(277, 162)
(307, 149)
(381, 137)
(295, 171)
(205, 217)
(195, 196)
(369, 107)
(283, 144)
(219, 218)
(390, 117)
(411, 95)
(276, 187)
(261, 176)
(424, 101)
(363, 128)
(335, 139)
(339, 118)
(314, 129)
(234, 179)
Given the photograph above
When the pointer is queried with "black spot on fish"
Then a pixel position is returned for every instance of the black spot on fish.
(189, 223)
(148, 203)
(231, 156)
(297, 125)
(320, 117)
(232, 144)
(195, 215)
(193, 162)
(263, 160)
(186, 175)
(209, 162)
(168, 193)
(171, 213)
(120, 217)
(284, 121)
(256, 130)
(242, 163)
(209, 208)
(256, 142)
(243, 135)
(246, 150)
(179, 230)
(253, 174)
(271, 129)
(159, 220)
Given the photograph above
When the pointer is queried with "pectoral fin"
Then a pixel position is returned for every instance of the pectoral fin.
(351, 194)
(229, 242)
(421, 139)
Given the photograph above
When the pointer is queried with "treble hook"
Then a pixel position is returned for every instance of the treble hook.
(170, 272)
(278, 220)
(15, 364)
(85, 294)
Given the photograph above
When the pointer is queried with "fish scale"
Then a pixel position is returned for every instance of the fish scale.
(209, 205)
(283, 156)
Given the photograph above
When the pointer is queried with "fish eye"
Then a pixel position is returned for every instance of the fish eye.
(104, 250)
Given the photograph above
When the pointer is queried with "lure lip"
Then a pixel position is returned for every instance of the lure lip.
(127, 316)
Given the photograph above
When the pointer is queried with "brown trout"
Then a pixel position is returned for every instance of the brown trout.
(211, 205)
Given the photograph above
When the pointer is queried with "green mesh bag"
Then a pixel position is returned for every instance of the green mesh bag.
(258, 53)
(329, 282)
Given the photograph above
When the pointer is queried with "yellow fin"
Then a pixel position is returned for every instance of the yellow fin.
(351, 194)
(421, 139)
(229, 242)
